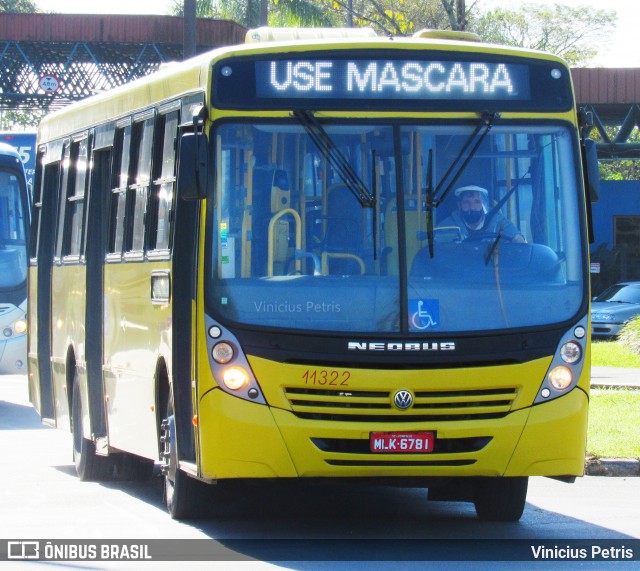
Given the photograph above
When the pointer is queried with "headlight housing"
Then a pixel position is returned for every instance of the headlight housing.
(14, 329)
(229, 366)
(566, 366)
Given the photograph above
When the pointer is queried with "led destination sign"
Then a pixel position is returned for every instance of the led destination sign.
(357, 79)
(391, 80)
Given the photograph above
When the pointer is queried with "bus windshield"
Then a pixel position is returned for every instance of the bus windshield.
(13, 243)
(352, 227)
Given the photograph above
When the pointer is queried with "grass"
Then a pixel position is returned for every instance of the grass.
(613, 354)
(614, 414)
(614, 417)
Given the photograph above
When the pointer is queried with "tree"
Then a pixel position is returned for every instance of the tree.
(252, 13)
(18, 6)
(391, 17)
(619, 169)
(457, 12)
(570, 32)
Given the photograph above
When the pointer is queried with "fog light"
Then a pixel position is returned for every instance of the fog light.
(571, 352)
(222, 353)
(7, 332)
(235, 378)
(560, 378)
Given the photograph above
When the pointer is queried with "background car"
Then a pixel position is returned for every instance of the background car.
(611, 310)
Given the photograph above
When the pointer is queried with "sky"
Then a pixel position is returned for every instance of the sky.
(620, 52)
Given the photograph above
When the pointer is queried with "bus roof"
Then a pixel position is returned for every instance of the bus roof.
(173, 80)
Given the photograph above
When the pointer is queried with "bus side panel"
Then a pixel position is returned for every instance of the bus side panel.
(554, 440)
(134, 331)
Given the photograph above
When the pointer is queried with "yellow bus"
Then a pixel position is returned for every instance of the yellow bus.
(252, 265)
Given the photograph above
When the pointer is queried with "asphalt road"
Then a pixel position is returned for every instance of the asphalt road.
(295, 527)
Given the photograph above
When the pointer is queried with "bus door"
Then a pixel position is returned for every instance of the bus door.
(43, 246)
(135, 329)
(95, 248)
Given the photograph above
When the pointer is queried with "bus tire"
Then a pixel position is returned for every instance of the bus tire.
(132, 467)
(500, 499)
(185, 497)
(89, 466)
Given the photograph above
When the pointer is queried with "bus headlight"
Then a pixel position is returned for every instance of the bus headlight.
(570, 352)
(567, 365)
(229, 365)
(222, 353)
(20, 326)
(560, 378)
(235, 378)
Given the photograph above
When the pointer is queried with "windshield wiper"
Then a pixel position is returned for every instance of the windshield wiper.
(489, 216)
(335, 158)
(486, 122)
(436, 197)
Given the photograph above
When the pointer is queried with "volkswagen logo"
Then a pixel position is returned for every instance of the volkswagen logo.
(403, 399)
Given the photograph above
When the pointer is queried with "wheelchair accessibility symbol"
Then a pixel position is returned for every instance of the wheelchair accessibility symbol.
(424, 314)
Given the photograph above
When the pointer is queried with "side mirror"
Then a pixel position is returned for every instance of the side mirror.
(591, 174)
(591, 170)
(193, 166)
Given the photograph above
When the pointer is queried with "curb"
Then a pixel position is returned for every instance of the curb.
(620, 467)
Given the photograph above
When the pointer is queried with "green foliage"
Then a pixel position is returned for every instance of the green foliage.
(281, 13)
(18, 6)
(391, 17)
(299, 13)
(613, 354)
(28, 119)
(570, 32)
(614, 417)
(630, 336)
(619, 169)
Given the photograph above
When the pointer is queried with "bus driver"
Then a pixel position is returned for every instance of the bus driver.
(470, 216)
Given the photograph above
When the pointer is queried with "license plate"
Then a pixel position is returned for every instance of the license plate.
(401, 442)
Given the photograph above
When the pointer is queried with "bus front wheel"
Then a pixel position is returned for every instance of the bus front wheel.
(500, 499)
(185, 497)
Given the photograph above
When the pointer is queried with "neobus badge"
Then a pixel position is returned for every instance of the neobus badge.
(401, 346)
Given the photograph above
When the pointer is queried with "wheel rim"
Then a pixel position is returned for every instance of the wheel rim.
(168, 456)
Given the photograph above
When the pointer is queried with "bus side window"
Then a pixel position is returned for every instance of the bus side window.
(63, 197)
(120, 178)
(74, 211)
(164, 162)
(139, 190)
(36, 211)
